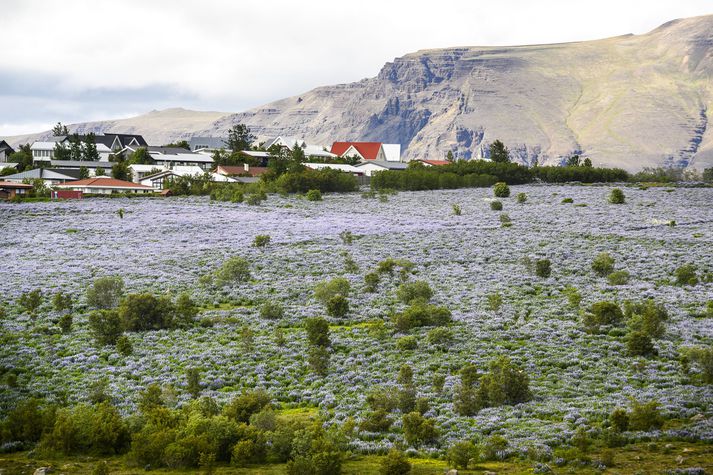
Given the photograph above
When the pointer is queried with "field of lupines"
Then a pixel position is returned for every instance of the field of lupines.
(576, 378)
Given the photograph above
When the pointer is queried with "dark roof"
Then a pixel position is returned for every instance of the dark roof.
(108, 139)
(6, 146)
(169, 150)
(79, 163)
(70, 172)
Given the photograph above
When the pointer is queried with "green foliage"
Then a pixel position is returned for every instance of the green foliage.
(105, 292)
(186, 311)
(347, 237)
(62, 302)
(337, 306)
(686, 275)
(501, 190)
(325, 291)
(419, 290)
(574, 297)
(496, 205)
(124, 346)
(639, 343)
(505, 220)
(193, 382)
(499, 153)
(314, 195)
(494, 301)
(395, 463)
(317, 330)
(603, 264)
(99, 429)
(254, 199)
(543, 268)
(30, 301)
(65, 323)
(234, 270)
(439, 336)
(492, 446)
(371, 280)
(456, 209)
(272, 311)
(647, 317)
(581, 174)
(105, 326)
(421, 315)
(418, 429)
(619, 277)
(619, 420)
(261, 240)
(121, 171)
(616, 196)
(240, 138)
(603, 313)
(406, 343)
(521, 198)
(318, 359)
(144, 312)
(505, 383)
(461, 454)
(567, 201)
(243, 406)
(645, 416)
(324, 180)
(702, 358)
(27, 421)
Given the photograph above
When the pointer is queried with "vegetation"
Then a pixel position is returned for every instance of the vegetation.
(501, 190)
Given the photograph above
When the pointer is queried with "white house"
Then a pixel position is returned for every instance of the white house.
(336, 166)
(139, 171)
(105, 186)
(106, 145)
(49, 177)
(158, 181)
(5, 151)
(44, 151)
(371, 167)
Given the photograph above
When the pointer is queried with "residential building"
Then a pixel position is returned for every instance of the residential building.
(106, 144)
(244, 169)
(160, 180)
(48, 176)
(434, 163)
(103, 185)
(336, 166)
(140, 171)
(5, 151)
(374, 166)
(368, 151)
(289, 143)
(71, 166)
(206, 143)
(8, 189)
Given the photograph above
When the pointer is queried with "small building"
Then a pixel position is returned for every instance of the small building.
(206, 143)
(5, 151)
(70, 166)
(241, 170)
(369, 168)
(49, 176)
(103, 185)
(159, 181)
(65, 195)
(140, 171)
(9, 190)
(434, 163)
(336, 166)
(170, 157)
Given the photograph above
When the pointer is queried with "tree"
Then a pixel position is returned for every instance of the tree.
(328, 289)
(83, 172)
(449, 156)
(603, 264)
(193, 382)
(338, 306)
(75, 147)
(141, 312)
(61, 152)
(105, 292)
(298, 155)
(616, 197)
(90, 152)
(140, 156)
(240, 138)
(234, 270)
(587, 162)
(121, 171)
(409, 292)
(499, 152)
(418, 429)
(62, 301)
(106, 326)
(395, 463)
(573, 161)
(501, 190)
(59, 130)
(178, 144)
(31, 301)
(461, 453)
(22, 157)
(317, 330)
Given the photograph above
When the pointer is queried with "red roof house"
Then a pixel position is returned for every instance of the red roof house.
(363, 150)
(435, 163)
(105, 185)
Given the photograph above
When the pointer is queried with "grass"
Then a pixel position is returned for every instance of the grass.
(642, 458)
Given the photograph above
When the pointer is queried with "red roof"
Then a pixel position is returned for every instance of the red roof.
(9, 184)
(437, 163)
(368, 150)
(103, 182)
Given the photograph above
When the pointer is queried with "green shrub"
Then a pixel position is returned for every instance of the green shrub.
(314, 195)
(234, 270)
(702, 358)
(567, 201)
(105, 326)
(619, 420)
(317, 330)
(616, 196)
(647, 317)
(494, 301)
(185, 310)
(461, 454)
(574, 297)
(501, 190)
(543, 268)
(603, 264)
(686, 275)
(65, 323)
(418, 429)
(505, 220)
(456, 209)
(254, 199)
(406, 343)
(144, 312)
(338, 306)
(105, 292)
(422, 315)
(493, 445)
(272, 311)
(409, 292)
(603, 313)
(243, 406)
(371, 280)
(639, 343)
(325, 291)
(505, 383)
(394, 463)
(496, 205)
(62, 302)
(620, 277)
(521, 197)
(31, 301)
(261, 240)
(439, 336)
(645, 416)
(124, 346)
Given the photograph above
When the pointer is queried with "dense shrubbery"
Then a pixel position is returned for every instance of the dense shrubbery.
(421, 315)
(603, 264)
(504, 383)
(501, 190)
(579, 174)
(408, 292)
(616, 197)
(324, 180)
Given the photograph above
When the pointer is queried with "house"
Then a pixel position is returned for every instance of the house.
(336, 166)
(371, 167)
(289, 143)
(206, 143)
(435, 163)
(5, 151)
(362, 150)
(50, 177)
(170, 157)
(160, 180)
(244, 169)
(73, 166)
(106, 144)
(139, 171)
(103, 185)
(8, 189)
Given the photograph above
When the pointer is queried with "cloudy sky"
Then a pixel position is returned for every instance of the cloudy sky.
(80, 60)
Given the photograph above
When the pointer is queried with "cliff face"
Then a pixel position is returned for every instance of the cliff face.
(629, 101)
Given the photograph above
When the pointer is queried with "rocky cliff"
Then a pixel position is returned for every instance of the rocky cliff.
(629, 101)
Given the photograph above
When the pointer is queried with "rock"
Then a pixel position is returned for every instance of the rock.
(452, 471)
(489, 473)
(43, 471)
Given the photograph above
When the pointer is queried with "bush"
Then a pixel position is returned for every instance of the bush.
(144, 312)
(456, 209)
(543, 268)
(422, 315)
(418, 429)
(616, 196)
(371, 280)
(272, 311)
(234, 270)
(186, 311)
(647, 317)
(462, 453)
(409, 292)
(505, 383)
(325, 291)
(686, 275)
(501, 190)
(639, 343)
(620, 277)
(105, 292)
(406, 343)
(521, 197)
(505, 220)
(702, 357)
(439, 336)
(338, 306)
(261, 240)
(314, 195)
(105, 326)
(603, 313)
(567, 201)
(31, 301)
(317, 330)
(395, 463)
(62, 301)
(65, 323)
(619, 420)
(242, 407)
(603, 264)
(496, 205)
(254, 199)
(124, 346)
(645, 416)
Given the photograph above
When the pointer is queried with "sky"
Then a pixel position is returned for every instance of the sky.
(82, 60)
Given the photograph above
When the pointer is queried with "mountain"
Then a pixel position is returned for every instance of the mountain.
(629, 101)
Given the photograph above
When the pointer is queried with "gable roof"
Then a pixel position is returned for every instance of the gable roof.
(109, 140)
(9, 184)
(206, 142)
(436, 163)
(81, 163)
(368, 150)
(385, 165)
(43, 173)
(104, 182)
(6, 146)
